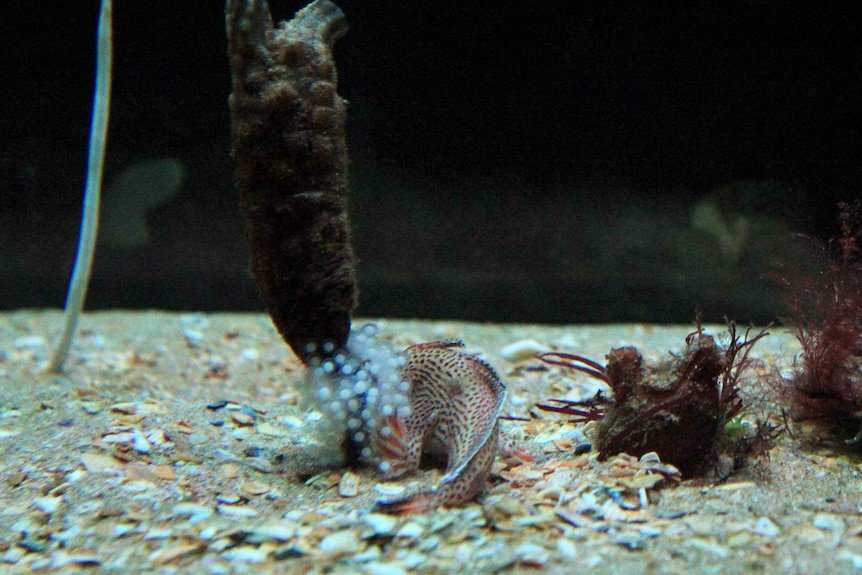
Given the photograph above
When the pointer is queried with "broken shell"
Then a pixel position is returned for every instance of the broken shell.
(165, 472)
(348, 486)
(523, 349)
(277, 531)
(344, 542)
(254, 488)
(127, 408)
(242, 418)
(165, 556)
(390, 489)
(381, 523)
(99, 463)
(48, 505)
(236, 511)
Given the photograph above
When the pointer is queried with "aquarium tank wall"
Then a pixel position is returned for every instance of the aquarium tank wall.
(537, 162)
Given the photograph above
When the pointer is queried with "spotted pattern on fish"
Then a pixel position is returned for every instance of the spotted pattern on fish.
(455, 401)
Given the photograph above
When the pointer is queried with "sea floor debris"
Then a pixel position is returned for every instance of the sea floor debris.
(174, 442)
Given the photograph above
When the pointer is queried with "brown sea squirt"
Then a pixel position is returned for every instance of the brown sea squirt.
(676, 408)
(291, 157)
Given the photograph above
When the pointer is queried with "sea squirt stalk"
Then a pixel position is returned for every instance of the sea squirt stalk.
(291, 165)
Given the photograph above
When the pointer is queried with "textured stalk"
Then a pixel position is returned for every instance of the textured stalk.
(95, 168)
(291, 162)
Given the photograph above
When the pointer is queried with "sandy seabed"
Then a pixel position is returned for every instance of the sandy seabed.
(175, 443)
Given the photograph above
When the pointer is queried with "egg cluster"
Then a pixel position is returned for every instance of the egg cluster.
(360, 388)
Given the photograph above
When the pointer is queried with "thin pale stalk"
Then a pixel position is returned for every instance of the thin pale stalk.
(95, 167)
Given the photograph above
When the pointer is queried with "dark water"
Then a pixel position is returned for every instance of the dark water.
(538, 162)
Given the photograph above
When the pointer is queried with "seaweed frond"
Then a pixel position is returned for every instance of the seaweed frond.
(737, 362)
(826, 317)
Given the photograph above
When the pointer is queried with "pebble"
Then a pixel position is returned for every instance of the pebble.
(60, 559)
(194, 511)
(137, 486)
(140, 443)
(828, 522)
(410, 530)
(381, 523)
(227, 454)
(567, 548)
(253, 451)
(254, 488)
(242, 418)
(91, 407)
(348, 486)
(165, 472)
(523, 349)
(532, 554)
(277, 531)
(741, 539)
(198, 439)
(410, 559)
(390, 489)
(13, 554)
(388, 568)
(766, 527)
(116, 438)
(344, 542)
(165, 556)
(427, 544)
(158, 533)
(208, 533)
(48, 505)
(236, 511)
(554, 434)
(31, 545)
(14, 412)
(158, 438)
(736, 486)
(29, 342)
(193, 338)
(66, 536)
(228, 498)
(707, 546)
(250, 354)
(261, 464)
(246, 554)
(853, 558)
(123, 529)
(649, 531)
(269, 430)
(371, 553)
(631, 541)
(701, 525)
(833, 525)
(293, 421)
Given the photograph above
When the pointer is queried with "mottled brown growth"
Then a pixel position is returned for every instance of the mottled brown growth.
(672, 409)
(291, 156)
(676, 408)
(455, 401)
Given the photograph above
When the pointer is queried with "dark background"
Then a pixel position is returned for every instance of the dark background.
(511, 161)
